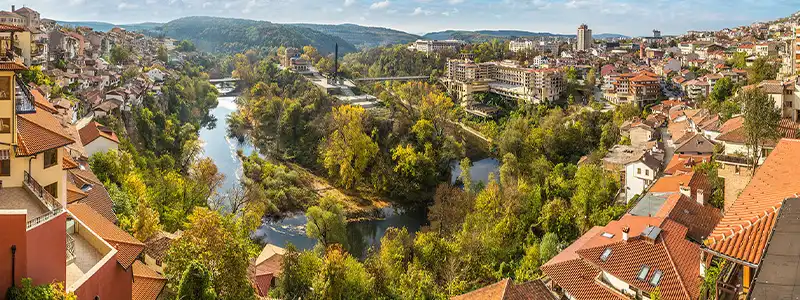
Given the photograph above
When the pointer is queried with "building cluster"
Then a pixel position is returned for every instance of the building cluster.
(680, 222)
(541, 46)
(57, 218)
(433, 46)
(464, 77)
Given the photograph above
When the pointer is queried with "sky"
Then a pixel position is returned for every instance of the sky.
(629, 17)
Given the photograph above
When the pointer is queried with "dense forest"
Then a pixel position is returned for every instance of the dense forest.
(212, 34)
(363, 36)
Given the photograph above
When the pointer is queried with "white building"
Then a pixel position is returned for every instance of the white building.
(584, 38)
(640, 174)
(98, 138)
(437, 45)
(541, 46)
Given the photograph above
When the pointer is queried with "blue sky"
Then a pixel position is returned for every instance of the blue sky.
(630, 17)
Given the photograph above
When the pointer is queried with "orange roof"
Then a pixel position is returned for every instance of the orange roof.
(10, 28)
(577, 277)
(67, 162)
(147, 284)
(11, 66)
(677, 258)
(127, 246)
(41, 102)
(744, 230)
(74, 193)
(39, 131)
(490, 292)
(684, 163)
(699, 219)
(93, 130)
(671, 184)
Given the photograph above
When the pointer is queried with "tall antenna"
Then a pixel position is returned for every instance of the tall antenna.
(336, 61)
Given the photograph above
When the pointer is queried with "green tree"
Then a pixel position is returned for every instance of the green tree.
(161, 54)
(185, 46)
(466, 176)
(347, 150)
(342, 277)
(120, 54)
(591, 79)
(196, 283)
(27, 291)
(529, 265)
(739, 60)
(594, 192)
(761, 119)
(146, 223)
(549, 246)
(723, 89)
(221, 243)
(326, 222)
(762, 69)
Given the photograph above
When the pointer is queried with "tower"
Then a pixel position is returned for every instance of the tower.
(584, 38)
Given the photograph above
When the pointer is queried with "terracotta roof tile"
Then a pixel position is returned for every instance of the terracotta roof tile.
(38, 132)
(97, 196)
(93, 130)
(494, 291)
(128, 247)
(699, 219)
(41, 102)
(67, 162)
(263, 283)
(684, 163)
(534, 289)
(744, 230)
(157, 246)
(11, 66)
(74, 193)
(577, 277)
(147, 284)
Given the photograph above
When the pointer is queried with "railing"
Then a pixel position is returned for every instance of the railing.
(53, 206)
(70, 248)
(24, 98)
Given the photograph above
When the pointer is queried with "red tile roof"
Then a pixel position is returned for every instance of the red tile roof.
(684, 163)
(744, 230)
(128, 247)
(41, 102)
(699, 219)
(10, 28)
(577, 277)
(97, 196)
(147, 283)
(11, 66)
(38, 132)
(494, 291)
(67, 162)
(529, 290)
(93, 130)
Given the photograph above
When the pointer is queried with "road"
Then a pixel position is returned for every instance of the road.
(669, 146)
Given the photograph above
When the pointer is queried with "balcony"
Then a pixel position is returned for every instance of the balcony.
(24, 98)
(52, 206)
(86, 252)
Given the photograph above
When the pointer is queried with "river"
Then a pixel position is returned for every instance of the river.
(361, 235)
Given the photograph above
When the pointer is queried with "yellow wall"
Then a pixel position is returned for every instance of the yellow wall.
(43, 176)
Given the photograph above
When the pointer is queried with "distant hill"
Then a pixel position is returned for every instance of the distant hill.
(362, 36)
(229, 35)
(487, 35)
(103, 26)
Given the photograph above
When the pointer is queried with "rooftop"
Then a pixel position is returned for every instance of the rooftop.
(777, 276)
(19, 198)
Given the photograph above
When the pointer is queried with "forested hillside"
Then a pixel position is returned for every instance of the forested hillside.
(213, 34)
(362, 36)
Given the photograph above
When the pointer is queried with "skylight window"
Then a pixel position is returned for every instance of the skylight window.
(643, 273)
(656, 278)
(608, 234)
(606, 254)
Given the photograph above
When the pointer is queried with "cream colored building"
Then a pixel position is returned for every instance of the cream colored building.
(585, 40)
(464, 77)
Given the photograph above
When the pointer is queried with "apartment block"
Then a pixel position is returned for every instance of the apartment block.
(463, 77)
(431, 46)
(640, 88)
(585, 40)
(541, 46)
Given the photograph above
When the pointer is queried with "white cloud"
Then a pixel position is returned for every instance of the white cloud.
(450, 12)
(76, 2)
(455, 1)
(380, 5)
(349, 2)
(419, 11)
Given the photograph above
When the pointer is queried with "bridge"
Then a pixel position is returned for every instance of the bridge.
(223, 80)
(399, 78)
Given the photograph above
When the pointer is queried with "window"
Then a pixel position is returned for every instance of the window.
(646, 172)
(656, 278)
(608, 234)
(50, 158)
(736, 170)
(5, 167)
(5, 125)
(643, 273)
(638, 170)
(606, 254)
(52, 189)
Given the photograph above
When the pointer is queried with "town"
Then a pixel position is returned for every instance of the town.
(613, 167)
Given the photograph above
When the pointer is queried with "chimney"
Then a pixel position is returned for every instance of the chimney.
(685, 190)
(625, 231)
(700, 197)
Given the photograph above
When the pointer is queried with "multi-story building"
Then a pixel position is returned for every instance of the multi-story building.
(50, 230)
(463, 77)
(796, 49)
(540, 46)
(640, 88)
(585, 40)
(430, 46)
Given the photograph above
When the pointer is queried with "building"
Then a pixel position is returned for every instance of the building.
(267, 268)
(741, 236)
(585, 40)
(640, 174)
(50, 225)
(628, 259)
(640, 88)
(432, 46)
(98, 138)
(540, 46)
(463, 77)
(292, 61)
(506, 289)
